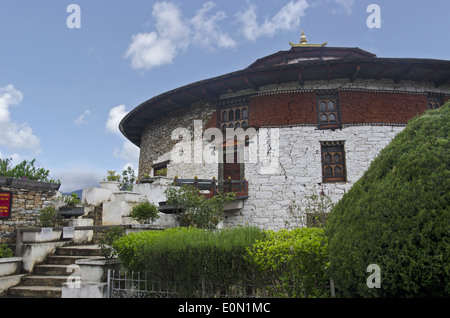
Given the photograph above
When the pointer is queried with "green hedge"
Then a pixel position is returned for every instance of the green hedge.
(191, 256)
(294, 261)
(397, 217)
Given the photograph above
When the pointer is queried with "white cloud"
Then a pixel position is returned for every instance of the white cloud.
(288, 18)
(78, 178)
(129, 152)
(207, 31)
(346, 4)
(115, 116)
(17, 136)
(174, 33)
(148, 50)
(80, 120)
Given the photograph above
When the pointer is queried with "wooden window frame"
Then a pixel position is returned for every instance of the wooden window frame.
(434, 102)
(328, 97)
(231, 123)
(160, 166)
(333, 148)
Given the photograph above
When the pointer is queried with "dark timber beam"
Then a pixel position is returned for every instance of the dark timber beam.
(301, 81)
(442, 82)
(426, 77)
(382, 73)
(355, 74)
(174, 102)
(249, 83)
(402, 75)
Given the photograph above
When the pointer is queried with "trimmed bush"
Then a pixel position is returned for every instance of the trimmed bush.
(293, 262)
(397, 216)
(280, 264)
(190, 256)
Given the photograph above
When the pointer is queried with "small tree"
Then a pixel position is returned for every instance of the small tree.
(128, 178)
(47, 216)
(311, 214)
(197, 210)
(145, 212)
(112, 176)
(107, 241)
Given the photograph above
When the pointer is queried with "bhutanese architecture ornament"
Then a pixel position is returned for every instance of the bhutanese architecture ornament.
(314, 117)
(304, 42)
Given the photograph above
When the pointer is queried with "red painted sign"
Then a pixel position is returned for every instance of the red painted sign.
(5, 205)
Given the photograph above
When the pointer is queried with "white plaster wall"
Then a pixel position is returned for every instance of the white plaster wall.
(298, 171)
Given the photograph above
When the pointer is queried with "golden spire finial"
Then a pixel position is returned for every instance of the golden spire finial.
(304, 42)
(303, 39)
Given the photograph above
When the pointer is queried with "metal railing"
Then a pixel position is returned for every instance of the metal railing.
(124, 284)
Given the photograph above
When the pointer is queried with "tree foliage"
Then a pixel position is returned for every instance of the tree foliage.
(397, 216)
(195, 209)
(25, 170)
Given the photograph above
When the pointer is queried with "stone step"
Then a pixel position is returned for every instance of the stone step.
(67, 259)
(82, 250)
(47, 279)
(35, 292)
(40, 280)
(53, 270)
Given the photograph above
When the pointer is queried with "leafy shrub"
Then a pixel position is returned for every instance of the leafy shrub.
(71, 200)
(106, 243)
(47, 216)
(312, 213)
(197, 210)
(189, 255)
(397, 216)
(112, 176)
(294, 262)
(145, 212)
(5, 251)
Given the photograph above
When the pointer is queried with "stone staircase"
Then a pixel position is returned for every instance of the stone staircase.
(47, 279)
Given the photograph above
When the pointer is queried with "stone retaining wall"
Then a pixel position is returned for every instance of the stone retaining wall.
(25, 207)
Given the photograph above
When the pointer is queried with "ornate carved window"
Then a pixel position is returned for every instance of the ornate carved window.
(328, 113)
(333, 161)
(234, 114)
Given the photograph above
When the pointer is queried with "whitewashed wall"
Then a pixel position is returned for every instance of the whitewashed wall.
(298, 172)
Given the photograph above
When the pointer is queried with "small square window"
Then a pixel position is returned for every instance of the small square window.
(160, 169)
(434, 101)
(333, 161)
(328, 111)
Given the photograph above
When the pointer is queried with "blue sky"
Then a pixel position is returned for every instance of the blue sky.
(64, 90)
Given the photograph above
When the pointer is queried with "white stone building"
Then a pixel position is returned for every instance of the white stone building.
(315, 117)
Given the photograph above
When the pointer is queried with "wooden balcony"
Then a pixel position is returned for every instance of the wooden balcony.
(210, 188)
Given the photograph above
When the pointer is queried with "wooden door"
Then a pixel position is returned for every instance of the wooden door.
(231, 169)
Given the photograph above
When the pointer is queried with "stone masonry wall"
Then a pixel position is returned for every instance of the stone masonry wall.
(156, 142)
(26, 204)
(298, 172)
